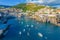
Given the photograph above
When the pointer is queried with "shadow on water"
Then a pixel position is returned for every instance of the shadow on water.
(4, 20)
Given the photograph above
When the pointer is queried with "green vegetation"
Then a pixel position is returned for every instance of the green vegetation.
(20, 6)
(30, 7)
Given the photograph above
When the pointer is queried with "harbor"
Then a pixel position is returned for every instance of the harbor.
(29, 29)
(29, 20)
(16, 24)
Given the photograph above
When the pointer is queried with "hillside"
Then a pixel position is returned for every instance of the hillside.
(30, 7)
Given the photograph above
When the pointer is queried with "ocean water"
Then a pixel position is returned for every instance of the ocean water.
(25, 28)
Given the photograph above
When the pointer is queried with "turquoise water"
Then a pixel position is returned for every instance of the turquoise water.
(29, 29)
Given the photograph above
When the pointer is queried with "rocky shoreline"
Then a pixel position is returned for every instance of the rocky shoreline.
(43, 15)
(47, 19)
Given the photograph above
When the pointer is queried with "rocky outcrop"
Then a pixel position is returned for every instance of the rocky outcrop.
(45, 18)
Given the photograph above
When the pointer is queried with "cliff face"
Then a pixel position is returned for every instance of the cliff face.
(47, 19)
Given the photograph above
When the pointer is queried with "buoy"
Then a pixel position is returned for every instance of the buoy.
(27, 25)
(28, 34)
(37, 22)
(45, 37)
(20, 33)
(23, 30)
(0, 15)
(21, 22)
(32, 25)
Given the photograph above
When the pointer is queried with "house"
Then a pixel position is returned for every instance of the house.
(58, 11)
